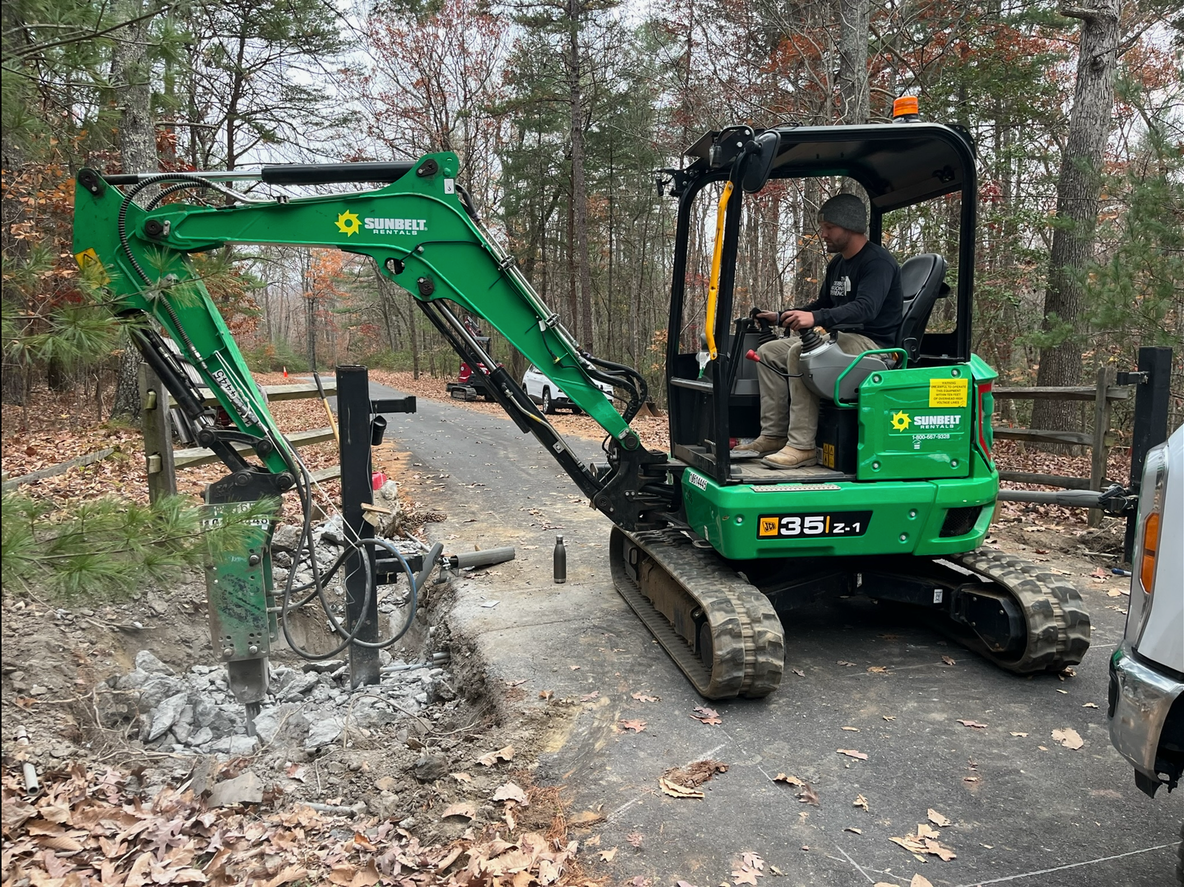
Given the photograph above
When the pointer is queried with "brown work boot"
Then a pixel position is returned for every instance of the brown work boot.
(792, 457)
(758, 447)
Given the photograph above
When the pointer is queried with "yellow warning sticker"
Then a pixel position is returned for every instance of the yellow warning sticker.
(88, 260)
(769, 526)
(947, 393)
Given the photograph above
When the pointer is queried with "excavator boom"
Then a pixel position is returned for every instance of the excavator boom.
(422, 233)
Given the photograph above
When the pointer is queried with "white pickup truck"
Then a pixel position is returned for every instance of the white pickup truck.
(1146, 710)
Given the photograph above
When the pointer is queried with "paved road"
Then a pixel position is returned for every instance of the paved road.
(1023, 809)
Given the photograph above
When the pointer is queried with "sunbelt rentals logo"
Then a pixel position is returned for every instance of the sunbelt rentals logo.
(902, 421)
(349, 224)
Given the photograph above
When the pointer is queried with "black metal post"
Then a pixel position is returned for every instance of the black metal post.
(353, 419)
(1151, 422)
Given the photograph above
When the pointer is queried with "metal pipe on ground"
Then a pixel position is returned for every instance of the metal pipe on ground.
(486, 558)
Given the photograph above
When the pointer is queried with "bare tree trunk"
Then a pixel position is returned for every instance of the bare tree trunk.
(854, 95)
(1078, 190)
(137, 148)
(579, 187)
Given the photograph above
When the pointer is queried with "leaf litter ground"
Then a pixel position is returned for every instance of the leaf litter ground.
(116, 812)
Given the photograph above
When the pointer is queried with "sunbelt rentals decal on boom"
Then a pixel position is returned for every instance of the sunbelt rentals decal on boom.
(349, 224)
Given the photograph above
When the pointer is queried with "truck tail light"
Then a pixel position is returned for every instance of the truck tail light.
(1150, 543)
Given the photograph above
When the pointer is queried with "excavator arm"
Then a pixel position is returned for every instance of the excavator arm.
(422, 232)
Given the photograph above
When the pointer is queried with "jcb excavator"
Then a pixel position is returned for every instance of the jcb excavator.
(707, 549)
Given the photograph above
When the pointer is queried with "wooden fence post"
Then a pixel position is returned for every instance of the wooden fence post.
(158, 436)
(1097, 470)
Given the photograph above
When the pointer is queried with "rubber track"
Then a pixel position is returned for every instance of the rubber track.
(748, 641)
(1056, 619)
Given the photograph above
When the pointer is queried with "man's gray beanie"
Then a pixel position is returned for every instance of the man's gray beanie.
(846, 211)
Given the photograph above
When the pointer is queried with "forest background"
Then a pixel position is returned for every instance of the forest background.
(560, 111)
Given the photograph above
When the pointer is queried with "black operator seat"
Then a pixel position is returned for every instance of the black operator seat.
(922, 280)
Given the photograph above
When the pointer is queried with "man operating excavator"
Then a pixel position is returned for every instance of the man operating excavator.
(861, 290)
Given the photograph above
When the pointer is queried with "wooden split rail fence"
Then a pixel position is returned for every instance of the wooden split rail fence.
(1100, 440)
(163, 460)
(1150, 388)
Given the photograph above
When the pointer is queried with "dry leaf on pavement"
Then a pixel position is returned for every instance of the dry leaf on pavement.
(949, 660)
(860, 801)
(643, 697)
(1069, 738)
(636, 725)
(607, 855)
(920, 881)
(678, 791)
(924, 841)
(696, 773)
(937, 819)
(975, 724)
(706, 715)
(852, 753)
(786, 778)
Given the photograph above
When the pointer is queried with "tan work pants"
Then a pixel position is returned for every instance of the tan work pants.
(788, 408)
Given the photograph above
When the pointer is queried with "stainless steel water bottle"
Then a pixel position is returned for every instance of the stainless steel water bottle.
(560, 561)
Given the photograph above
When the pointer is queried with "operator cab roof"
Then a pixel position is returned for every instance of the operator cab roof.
(897, 164)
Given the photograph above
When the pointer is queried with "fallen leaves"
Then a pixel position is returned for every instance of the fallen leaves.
(805, 792)
(696, 773)
(924, 841)
(678, 791)
(502, 754)
(1069, 738)
(852, 753)
(748, 869)
(95, 827)
(635, 725)
(937, 819)
(973, 724)
(644, 697)
(511, 792)
(706, 715)
(949, 660)
(860, 801)
(681, 782)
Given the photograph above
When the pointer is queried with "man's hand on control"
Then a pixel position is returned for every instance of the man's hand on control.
(797, 320)
(770, 316)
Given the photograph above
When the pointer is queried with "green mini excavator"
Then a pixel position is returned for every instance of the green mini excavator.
(708, 550)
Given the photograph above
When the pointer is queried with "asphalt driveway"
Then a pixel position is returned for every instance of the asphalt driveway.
(881, 729)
